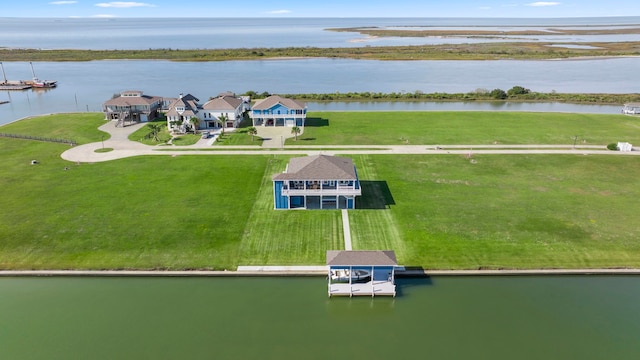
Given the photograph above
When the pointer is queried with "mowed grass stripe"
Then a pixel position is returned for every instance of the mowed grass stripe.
(282, 237)
(373, 229)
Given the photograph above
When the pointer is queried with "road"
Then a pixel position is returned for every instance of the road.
(123, 148)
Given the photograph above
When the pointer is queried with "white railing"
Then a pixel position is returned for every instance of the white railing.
(339, 191)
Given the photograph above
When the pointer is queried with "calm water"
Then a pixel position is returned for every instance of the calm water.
(215, 33)
(589, 317)
(86, 85)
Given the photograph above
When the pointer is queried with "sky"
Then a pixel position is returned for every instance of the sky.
(322, 8)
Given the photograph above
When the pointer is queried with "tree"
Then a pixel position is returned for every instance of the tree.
(295, 131)
(195, 122)
(517, 90)
(223, 121)
(498, 94)
(252, 131)
(154, 131)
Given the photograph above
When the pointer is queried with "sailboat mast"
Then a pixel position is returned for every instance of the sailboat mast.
(4, 76)
(32, 72)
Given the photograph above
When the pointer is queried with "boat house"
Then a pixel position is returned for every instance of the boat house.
(278, 111)
(361, 273)
(317, 182)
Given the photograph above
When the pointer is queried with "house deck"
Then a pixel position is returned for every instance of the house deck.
(371, 288)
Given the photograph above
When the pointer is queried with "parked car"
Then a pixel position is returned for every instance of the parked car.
(205, 134)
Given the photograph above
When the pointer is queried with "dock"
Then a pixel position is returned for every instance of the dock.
(371, 288)
(361, 273)
(14, 85)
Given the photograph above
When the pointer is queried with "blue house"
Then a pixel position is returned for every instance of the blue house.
(278, 111)
(317, 182)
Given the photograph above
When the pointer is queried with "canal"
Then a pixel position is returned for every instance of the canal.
(524, 317)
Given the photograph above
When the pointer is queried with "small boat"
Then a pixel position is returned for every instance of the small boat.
(353, 276)
(41, 84)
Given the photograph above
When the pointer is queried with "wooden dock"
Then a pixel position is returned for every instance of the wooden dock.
(14, 86)
(371, 288)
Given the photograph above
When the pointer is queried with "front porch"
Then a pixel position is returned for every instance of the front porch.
(290, 120)
(322, 202)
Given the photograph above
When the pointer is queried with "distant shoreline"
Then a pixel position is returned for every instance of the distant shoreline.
(448, 52)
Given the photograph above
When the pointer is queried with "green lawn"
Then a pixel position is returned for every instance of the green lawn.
(216, 212)
(472, 128)
(79, 127)
(537, 211)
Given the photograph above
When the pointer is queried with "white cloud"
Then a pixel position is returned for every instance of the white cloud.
(485, 8)
(123, 4)
(103, 16)
(279, 12)
(62, 2)
(544, 3)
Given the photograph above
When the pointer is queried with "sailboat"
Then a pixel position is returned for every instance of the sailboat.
(37, 83)
(12, 85)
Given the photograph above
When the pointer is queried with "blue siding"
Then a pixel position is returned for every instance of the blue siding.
(281, 201)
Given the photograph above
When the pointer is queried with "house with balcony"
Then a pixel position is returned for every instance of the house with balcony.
(132, 105)
(226, 106)
(317, 182)
(180, 111)
(278, 111)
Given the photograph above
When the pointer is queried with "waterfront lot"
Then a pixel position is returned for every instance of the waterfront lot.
(467, 127)
(215, 212)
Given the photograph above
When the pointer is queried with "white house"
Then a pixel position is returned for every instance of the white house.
(230, 107)
(180, 112)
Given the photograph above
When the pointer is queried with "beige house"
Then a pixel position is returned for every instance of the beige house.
(132, 105)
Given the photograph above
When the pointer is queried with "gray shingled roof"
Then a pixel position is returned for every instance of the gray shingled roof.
(132, 100)
(275, 99)
(319, 167)
(361, 258)
(189, 102)
(222, 103)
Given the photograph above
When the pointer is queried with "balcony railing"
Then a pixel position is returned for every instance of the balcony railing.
(328, 190)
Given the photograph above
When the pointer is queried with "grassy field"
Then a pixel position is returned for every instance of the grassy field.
(216, 212)
(536, 211)
(476, 128)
